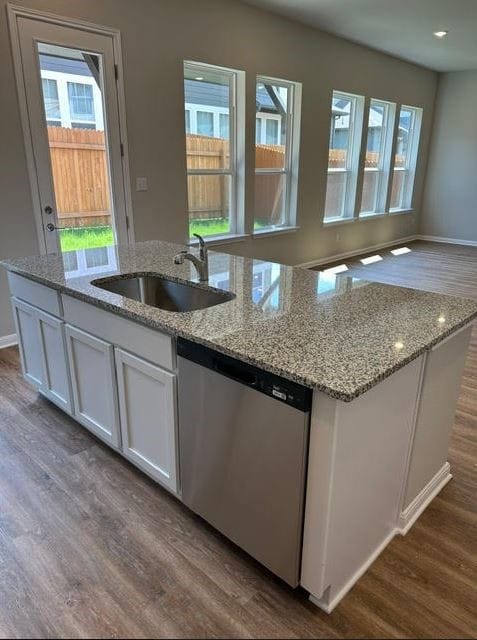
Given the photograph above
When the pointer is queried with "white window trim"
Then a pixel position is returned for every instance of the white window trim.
(292, 154)
(348, 212)
(237, 141)
(407, 188)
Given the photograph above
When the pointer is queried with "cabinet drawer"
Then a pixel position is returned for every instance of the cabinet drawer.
(36, 294)
(154, 346)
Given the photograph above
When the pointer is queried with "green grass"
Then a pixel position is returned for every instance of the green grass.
(211, 227)
(86, 238)
(92, 237)
(217, 226)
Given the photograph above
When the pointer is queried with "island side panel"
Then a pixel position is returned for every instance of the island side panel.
(357, 461)
(428, 469)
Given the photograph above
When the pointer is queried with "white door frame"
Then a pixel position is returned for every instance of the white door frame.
(14, 12)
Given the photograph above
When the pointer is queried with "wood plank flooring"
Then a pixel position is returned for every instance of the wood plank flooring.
(91, 548)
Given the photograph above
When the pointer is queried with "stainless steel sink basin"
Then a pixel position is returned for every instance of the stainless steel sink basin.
(163, 293)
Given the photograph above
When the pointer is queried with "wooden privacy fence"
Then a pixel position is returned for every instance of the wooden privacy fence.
(209, 195)
(81, 177)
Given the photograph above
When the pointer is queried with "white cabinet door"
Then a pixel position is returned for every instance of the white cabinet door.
(93, 382)
(148, 417)
(29, 340)
(56, 384)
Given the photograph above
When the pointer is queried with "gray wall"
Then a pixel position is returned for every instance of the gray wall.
(450, 199)
(157, 35)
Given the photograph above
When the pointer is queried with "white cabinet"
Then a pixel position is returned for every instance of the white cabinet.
(93, 382)
(29, 340)
(56, 385)
(127, 401)
(43, 353)
(148, 417)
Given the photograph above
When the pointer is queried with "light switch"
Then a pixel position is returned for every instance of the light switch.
(141, 184)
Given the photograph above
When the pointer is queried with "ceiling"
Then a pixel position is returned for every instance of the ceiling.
(402, 28)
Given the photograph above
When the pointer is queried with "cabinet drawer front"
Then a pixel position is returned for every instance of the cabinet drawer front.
(155, 346)
(36, 294)
(94, 384)
(147, 406)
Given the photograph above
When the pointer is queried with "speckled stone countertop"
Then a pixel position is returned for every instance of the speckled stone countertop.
(337, 334)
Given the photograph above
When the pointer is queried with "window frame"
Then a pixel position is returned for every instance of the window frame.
(236, 144)
(352, 169)
(385, 156)
(407, 186)
(292, 153)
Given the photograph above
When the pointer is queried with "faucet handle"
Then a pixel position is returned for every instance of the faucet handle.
(200, 239)
(202, 245)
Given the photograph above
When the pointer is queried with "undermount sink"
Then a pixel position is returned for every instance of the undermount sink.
(163, 293)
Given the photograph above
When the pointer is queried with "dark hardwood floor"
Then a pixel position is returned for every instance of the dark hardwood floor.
(90, 547)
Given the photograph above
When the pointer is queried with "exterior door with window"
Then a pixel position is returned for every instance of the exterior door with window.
(67, 80)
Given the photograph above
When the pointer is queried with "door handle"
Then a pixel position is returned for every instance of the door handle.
(52, 227)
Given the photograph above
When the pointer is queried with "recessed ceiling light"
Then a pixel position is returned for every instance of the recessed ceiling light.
(441, 34)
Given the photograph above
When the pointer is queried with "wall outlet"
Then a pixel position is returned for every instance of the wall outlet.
(141, 184)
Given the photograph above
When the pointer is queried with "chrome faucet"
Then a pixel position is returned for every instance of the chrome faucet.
(201, 263)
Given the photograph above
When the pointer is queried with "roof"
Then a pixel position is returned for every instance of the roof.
(64, 65)
(217, 95)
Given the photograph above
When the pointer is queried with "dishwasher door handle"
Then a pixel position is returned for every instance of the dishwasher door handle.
(236, 372)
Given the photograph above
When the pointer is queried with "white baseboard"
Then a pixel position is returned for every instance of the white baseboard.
(406, 519)
(377, 247)
(8, 341)
(465, 243)
(355, 252)
(409, 516)
(328, 604)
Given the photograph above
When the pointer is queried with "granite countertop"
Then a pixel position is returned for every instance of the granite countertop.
(337, 334)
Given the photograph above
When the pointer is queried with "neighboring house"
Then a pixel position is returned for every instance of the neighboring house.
(73, 100)
(340, 128)
(207, 112)
(71, 95)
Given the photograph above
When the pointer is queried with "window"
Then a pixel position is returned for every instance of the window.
(51, 102)
(378, 157)
(210, 95)
(224, 127)
(272, 132)
(258, 130)
(187, 120)
(407, 144)
(81, 103)
(276, 156)
(205, 123)
(343, 160)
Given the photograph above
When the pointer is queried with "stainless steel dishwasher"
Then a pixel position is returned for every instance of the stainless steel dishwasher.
(243, 437)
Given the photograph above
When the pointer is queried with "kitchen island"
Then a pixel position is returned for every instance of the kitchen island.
(384, 364)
